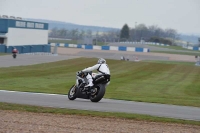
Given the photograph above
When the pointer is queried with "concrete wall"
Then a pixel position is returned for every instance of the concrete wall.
(19, 36)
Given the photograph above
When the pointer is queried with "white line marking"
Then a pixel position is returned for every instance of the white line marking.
(31, 93)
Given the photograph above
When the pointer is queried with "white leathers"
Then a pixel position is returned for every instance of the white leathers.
(101, 68)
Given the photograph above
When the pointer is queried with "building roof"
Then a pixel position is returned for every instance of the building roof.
(6, 23)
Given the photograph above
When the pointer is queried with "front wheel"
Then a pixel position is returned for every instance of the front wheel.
(72, 93)
(97, 93)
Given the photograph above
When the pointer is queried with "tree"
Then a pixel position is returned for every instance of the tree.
(81, 34)
(142, 32)
(160, 40)
(124, 32)
(63, 33)
(89, 33)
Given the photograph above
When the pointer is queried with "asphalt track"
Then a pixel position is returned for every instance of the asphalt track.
(24, 60)
(105, 105)
(117, 56)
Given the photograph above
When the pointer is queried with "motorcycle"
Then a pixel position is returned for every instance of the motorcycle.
(97, 91)
(14, 55)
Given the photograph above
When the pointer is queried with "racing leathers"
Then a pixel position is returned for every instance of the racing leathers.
(101, 68)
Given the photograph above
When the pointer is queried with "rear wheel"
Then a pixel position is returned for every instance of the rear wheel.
(72, 93)
(14, 55)
(97, 93)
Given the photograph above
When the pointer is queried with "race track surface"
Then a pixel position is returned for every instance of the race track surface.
(105, 105)
(24, 60)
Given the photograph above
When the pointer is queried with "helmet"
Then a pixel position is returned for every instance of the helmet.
(101, 61)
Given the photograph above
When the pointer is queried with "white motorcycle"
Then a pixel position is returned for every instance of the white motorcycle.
(96, 93)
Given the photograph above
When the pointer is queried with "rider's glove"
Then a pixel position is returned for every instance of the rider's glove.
(79, 72)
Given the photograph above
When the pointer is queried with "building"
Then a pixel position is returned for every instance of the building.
(26, 36)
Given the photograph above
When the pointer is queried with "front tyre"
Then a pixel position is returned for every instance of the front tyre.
(97, 93)
(72, 93)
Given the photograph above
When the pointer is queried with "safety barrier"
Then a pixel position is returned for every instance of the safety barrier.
(91, 47)
(2, 48)
(191, 48)
(147, 43)
(41, 53)
(26, 48)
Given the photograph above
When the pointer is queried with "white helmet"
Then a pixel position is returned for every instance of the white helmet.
(101, 61)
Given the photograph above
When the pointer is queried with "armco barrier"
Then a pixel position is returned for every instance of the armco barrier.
(90, 47)
(190, 47)
(79, 46)
(97, 47)
(122, 48)
(117, 48)
(139, 49)
(105, 48)
(62, 44)
(195, 48)
(66, 45)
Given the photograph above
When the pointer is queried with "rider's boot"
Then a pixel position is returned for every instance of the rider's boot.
(90, 83)
(89, 86)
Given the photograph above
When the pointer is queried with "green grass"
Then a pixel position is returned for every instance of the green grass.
(73, 42)
(3, 54)
(180, 53)
(170, 62)
(156, 82)
(175, 47)
(63, 41)
(36, 109)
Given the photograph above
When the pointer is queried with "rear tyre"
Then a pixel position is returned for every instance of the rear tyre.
(14, 55)
(72, 93)
(97, 93)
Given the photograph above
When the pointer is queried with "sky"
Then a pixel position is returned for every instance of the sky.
(182, 15)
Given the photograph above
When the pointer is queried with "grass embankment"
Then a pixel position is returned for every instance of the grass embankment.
(176, 48)
(73, 42)
(168, 83)
(36, 109)
(180, 53)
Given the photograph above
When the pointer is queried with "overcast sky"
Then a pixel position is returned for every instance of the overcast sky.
(182, 15)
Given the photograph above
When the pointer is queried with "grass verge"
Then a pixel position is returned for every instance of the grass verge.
(175, 47)
(3, 54)
(37, 109)
(180, 53)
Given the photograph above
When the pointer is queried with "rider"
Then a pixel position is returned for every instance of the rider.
(101, 67)
(14, 51)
